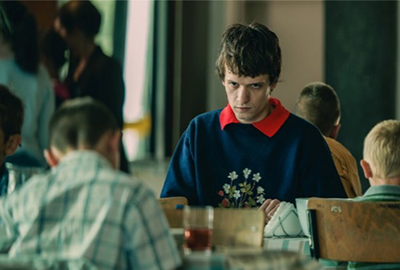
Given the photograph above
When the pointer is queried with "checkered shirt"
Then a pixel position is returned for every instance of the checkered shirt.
(84, 208)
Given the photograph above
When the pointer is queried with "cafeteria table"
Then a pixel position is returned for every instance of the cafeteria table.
(274, 245)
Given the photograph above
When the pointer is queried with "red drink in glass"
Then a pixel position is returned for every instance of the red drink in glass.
(197, 239)
(198, 224)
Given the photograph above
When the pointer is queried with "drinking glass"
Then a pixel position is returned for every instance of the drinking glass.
(18, 175)
(198, 226)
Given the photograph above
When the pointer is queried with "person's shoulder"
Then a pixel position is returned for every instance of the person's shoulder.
(122, 178)
(42, 71)
(300, 125)
(129, 185)
(336, 146)
(7, 61)
(99, 57)
(206, 118)
(209, 115)
(44, 78)
(8, 65)
(35, 185)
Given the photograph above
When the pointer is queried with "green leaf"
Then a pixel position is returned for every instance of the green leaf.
(243, 190)
(251, 202)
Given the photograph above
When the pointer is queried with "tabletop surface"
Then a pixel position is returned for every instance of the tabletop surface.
(295, 250)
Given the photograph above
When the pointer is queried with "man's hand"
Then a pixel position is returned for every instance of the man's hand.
(269, 207)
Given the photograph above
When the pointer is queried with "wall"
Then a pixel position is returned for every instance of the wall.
(43, 19)
(361, 63)
(196, 89)
(398, 69)
(300, 29)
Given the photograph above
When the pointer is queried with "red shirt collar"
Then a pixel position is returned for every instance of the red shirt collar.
(269, 125)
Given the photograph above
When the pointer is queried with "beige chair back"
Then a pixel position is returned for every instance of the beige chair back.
(346, 230)
(174, 216)
(171, 202)
(238, 227)
(232, 227)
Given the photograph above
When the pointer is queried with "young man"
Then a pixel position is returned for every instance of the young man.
(381, 166)
(84, 207)
(253, 150)
(319, 104)
(11, 119)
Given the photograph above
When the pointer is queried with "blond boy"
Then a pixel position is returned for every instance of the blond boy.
(381, 166)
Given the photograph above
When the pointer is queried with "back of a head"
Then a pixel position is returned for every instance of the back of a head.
(53, 47)
(21, 32)
(382, 149)
(319, 104)
(250, 50)
(80, 123)
(82, 15)
(11, 113)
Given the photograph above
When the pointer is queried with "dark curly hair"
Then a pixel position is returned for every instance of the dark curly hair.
(82, 15)
(250, 50)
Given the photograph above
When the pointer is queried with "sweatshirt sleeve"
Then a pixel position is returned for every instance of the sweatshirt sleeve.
(181, 175)
(319, 176)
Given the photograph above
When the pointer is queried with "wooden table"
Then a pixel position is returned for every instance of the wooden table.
(218, 260)
(250, 259)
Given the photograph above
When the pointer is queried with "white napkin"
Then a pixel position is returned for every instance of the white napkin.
(285, 222)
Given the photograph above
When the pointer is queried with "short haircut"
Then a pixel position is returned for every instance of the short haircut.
(382, 149)
(11, 113)
(82, 15)
(319, 104)
(250, 50)
(80, 122)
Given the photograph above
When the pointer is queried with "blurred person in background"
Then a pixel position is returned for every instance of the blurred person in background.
(91, 72)
(53, 56)
(11, 119)
(21, 73)
(319, 104)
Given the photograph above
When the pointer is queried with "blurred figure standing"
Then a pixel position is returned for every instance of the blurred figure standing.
(21, 73)
(91, 72)
(52, 54)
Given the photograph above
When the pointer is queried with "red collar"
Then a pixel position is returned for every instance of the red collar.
(269, 125)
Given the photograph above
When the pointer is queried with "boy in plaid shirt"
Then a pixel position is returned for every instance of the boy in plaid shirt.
(84, 206)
